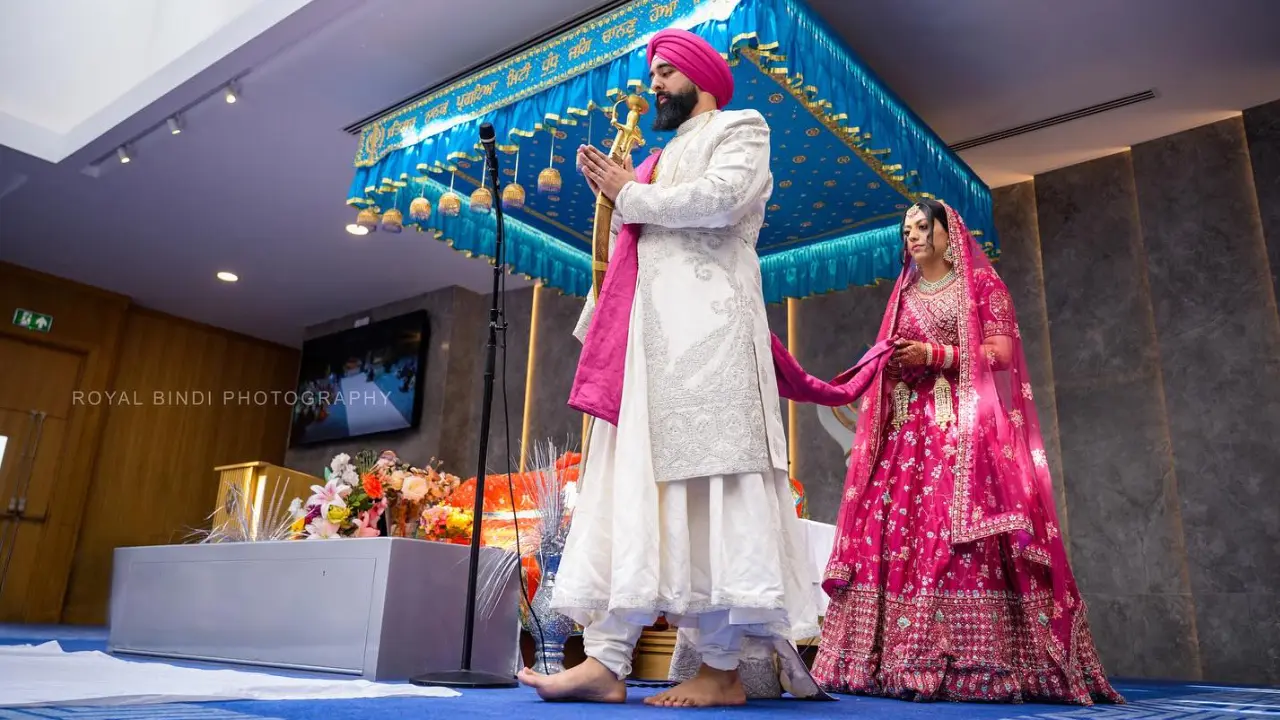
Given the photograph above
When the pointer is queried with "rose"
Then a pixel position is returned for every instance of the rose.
(338, 514)
(414, 488)
(395, 480)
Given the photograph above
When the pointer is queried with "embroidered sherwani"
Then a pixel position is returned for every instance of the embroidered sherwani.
(713, 398)
(686, 507)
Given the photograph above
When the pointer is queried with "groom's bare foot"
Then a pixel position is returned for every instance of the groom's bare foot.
(587, 682)
(709, 688)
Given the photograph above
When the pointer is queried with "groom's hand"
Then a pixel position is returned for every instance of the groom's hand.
(604, 175)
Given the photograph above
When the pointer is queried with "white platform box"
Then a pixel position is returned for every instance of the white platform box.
(384, 609)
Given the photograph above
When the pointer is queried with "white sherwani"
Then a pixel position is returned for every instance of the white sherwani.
(686, 505)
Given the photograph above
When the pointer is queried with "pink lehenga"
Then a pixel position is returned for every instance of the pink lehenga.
(949, 579)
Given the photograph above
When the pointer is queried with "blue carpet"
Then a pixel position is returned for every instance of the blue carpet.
(1147, 701)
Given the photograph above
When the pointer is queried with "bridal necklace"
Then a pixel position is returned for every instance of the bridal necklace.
(932, 286)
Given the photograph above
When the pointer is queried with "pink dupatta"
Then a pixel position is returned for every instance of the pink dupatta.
(597, 383)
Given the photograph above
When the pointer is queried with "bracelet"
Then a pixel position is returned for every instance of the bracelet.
(940, 357)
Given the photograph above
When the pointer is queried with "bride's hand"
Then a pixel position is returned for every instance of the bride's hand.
(908, 353)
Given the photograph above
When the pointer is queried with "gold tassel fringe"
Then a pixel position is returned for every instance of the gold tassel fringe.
(901, 402)
(943, 409)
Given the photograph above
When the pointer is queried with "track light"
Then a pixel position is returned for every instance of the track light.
(232, 95)
(120, 153)
(175, 125)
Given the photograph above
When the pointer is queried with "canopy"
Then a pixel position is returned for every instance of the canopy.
(848, 157)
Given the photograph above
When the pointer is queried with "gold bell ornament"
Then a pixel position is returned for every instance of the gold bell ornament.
(368, 219)
(513, 194)
(450, 202)
(420, 209)
(549, 181)
(482, 198)
(513, 197)
(392, 221)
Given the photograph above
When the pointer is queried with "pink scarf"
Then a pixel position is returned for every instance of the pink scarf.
(597, 384)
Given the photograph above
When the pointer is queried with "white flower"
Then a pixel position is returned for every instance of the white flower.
(339, 463)
(296, 510)
(322, 529)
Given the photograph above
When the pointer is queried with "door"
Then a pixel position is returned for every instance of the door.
(37, 396)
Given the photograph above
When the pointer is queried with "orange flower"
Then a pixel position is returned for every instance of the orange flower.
(372, 485)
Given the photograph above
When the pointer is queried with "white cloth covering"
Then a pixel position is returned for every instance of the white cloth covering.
(41, 675)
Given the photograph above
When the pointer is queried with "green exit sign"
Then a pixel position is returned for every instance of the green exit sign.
(32, 320)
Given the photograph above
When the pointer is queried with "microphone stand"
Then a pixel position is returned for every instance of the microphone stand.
(466, 677)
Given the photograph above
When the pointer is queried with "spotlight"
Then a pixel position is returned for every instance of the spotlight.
(355, 229)
(232, 95)
(227, 277)
(122, 154)
(175, 125)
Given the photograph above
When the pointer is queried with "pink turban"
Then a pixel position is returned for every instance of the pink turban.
(699, 62)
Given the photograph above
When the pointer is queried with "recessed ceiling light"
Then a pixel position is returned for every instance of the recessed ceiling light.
(227, 277)
(355, 229)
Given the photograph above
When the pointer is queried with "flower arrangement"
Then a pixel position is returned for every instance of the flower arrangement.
(410, 490)
(347, 505)
(444, 523)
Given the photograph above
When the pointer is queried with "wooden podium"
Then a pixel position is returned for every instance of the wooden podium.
(257, 483)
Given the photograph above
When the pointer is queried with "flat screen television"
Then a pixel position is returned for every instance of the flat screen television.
(363, 381)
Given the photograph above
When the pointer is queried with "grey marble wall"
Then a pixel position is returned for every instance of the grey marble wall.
(555, 360)
(832, 333)
(510, 369)
(1119, 475)
(1262, 132)
(1020, 268)
(1219, 342)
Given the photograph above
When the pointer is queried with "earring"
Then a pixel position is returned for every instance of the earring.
(949, 256)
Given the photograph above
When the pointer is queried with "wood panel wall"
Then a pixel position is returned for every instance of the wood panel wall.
(142, 473)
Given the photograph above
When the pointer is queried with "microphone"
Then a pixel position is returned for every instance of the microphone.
(488, 140)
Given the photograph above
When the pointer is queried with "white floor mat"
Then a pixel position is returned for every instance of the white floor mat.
(48, 675)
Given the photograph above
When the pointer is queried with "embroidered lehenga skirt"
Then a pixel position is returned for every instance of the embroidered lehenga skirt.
(921, 619)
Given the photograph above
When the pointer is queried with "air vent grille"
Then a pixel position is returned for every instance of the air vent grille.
(1055, 120)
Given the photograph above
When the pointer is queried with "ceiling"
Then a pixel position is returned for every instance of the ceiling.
(257, 188)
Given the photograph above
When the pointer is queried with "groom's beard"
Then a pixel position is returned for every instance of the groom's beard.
(676, 110)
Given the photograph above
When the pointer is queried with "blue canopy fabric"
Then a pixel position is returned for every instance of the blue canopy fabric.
(848, 157)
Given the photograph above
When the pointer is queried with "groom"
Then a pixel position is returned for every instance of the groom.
(685, 509)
